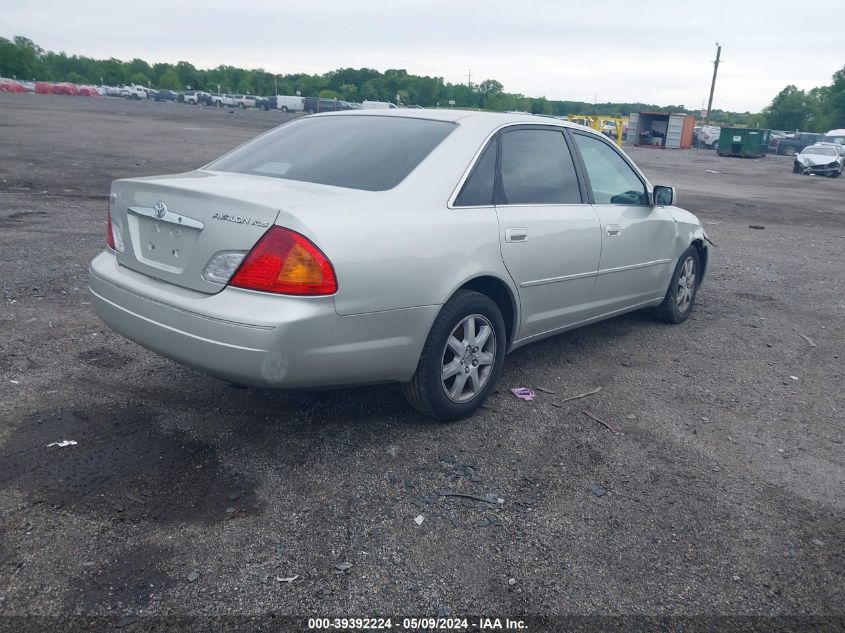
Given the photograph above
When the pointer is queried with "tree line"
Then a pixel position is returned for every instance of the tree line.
(23, 59)
(817, 110)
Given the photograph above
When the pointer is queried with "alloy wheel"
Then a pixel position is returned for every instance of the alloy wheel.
(468, 358)
(686, 284)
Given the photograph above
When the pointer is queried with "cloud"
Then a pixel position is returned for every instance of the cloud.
(655, 51)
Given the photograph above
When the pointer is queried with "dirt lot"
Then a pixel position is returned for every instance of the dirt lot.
(724, 493)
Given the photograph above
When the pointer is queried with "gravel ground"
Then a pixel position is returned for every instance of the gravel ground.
(722, 495)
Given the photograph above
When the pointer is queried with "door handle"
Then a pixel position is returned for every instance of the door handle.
(517, 234)
(613, 230)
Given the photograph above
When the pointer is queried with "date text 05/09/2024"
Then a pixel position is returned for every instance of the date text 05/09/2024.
(417, 624)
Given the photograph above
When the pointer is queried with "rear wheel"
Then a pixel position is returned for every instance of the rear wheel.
(789, 151)
(284, 108)
(680, 297)
(461, 360)
(242, 105)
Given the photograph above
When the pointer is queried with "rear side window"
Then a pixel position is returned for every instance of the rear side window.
(479, 187)
(372, 153)
(612, 179)
(537, 168)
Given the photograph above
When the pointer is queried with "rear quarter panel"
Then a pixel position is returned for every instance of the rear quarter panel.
(404, 247)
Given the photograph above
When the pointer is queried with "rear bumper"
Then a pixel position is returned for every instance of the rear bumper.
(256, 338)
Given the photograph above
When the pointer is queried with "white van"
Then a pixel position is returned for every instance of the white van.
(835, 136)
(290, 104)
(373, 105)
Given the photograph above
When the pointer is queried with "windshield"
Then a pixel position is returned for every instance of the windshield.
(373, 153)
(820, 151)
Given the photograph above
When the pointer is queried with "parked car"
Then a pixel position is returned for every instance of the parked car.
(708, 136)
(821, 159)
(262, 103)
(377, 105)
(166, 95)
(792, 145)
(9, 85)
(315, 104)
(287, 103)
(135, 92)
(197, 97)
(65, 88)
(243, 101)
(221, 100)
(411, 246)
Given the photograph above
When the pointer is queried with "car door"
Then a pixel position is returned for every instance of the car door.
(549, 236)
(637, 237)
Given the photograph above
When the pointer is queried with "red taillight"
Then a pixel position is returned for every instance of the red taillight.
(109, 234)
(286, 262)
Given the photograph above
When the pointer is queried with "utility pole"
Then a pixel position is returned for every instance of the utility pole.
(469, 78)
(713, 83)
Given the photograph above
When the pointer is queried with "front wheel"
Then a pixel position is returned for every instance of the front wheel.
(461, 360)
(680, 297)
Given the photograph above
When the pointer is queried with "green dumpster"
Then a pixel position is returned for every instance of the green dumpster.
(743, 142)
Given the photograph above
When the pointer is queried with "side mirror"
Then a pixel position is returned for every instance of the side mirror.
(663, 196)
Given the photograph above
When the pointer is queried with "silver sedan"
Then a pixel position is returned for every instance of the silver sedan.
(409, 246)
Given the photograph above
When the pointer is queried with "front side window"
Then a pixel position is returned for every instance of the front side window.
(372, 153)
(537, 168)
(611, 178)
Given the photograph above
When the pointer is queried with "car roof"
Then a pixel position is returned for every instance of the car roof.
(456, 116)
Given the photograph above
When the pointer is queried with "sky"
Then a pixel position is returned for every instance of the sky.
(651, 51)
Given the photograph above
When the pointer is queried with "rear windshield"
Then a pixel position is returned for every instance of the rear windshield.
(373, 153)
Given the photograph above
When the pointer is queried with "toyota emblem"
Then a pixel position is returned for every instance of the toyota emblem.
(160, 209)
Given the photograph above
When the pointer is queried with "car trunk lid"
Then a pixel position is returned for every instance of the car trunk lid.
(174, 225)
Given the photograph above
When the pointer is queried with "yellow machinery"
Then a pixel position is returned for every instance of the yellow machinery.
(611, 127)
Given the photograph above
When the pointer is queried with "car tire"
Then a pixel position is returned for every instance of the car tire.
(796, 169)
(680, 296)
(285, 109)
(242, 106)
(789, 151)
(468, 317)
